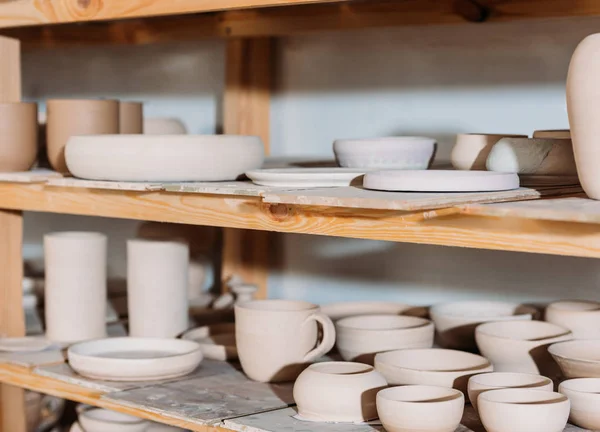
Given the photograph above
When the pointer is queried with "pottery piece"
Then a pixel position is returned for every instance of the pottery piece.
(244, 292)
(276, 338)
(71, 117)
(359, 338)
(131, 117)
(24, 344)
(581, 317)
(552, 133)
(433, 366)
(164, 126)
(471, 150)
(523, 410)
(340, 310)
(338, 392)
(134, 359)
(520, 346)
(403, 152)
(216, 341)
(578, 358)
(440, 181)
(197, 279)
(539, 156)
(75, 287)
(18, 136)
(157, 298)
(103, 420)
(455, 322)
(306, 177)
(420, 408)
(584, 394)
(163, 158)
(497, 380)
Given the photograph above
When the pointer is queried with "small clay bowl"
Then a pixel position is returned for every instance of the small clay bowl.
(498, 380)
(337, 311)
(102, 420)
(471, 150)
(359, 338)
(523, 410)
(581, 317)
(578, 358)
(584, 394)
(420, 408)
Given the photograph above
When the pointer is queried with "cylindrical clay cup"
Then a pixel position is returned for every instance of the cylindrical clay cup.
(131, 117)
(75, 298)
(70, 117)
(157, 283)
(18, 136)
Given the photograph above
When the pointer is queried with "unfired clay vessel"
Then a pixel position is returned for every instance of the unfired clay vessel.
(131, 117)
(103, 420)
(552, 133)
(523, 410)
(71, 117)
(338, 392)
(420, 408)
(18, 136)
(164, 126)
(277, 339)
(216, 341)
(584, 394)
(337, 311)
(520, 346)
(578, 358)
(75, 287)
(471, 150)
(157, 285)
(307, 177)
(455, 322)
(359, 338)
(581, 317)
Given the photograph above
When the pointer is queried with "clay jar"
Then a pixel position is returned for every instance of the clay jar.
(578, 358)
(581, 317)
(471, 150)
(75, 288)
(131, 117)
(338, 392)
(18, 136)
(276, 338)
(360, 338)
(71, 117)
(584, 394)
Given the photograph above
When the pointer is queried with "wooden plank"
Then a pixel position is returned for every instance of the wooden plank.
(110, 185)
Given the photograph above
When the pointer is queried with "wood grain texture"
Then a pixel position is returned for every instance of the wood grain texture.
(10, 70)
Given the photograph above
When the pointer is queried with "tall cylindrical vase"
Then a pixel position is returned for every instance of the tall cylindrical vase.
(75, 292)
(157, 282)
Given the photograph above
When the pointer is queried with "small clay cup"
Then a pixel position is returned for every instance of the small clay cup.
(131, 117)
(584, 394)
(577, 358)
(581, 317)
(72, 117)
(18, 136)
(497, 380)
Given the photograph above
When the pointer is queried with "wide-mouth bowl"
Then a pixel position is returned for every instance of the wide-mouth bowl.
(526, 331)
(574, 306)
(432, 360)
(482, 310)
(587, 351)
(368, 145)
(589, 386)
(118, 348)
(509, 380)
(419, 394)
(341, 368)
(282, 306)
(108, 416)
(517, 396)
(75, 235)
(337, 311)
(379, 323)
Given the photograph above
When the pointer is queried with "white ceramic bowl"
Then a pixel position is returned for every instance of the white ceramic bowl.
(578, 358)
(471, 151)
(338, 392)
(455, 322)
(497, 380)
(103, 420)
(420, 408)
(520, 346)
(581, 317)
(359, 338)
(433, 366)
(523, 410)
(406, 153)
(584, 394)
(336, 311)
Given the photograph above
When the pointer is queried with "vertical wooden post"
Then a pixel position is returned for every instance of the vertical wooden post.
(249, 66)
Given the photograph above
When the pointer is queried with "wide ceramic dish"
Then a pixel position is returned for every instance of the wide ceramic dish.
(471, 151)
(103, 420)
(337, 311)
(338, 392)
(420, 408)
(498, 380)
(163, 158)
(578, 358)
(134, 359)
(306, 177)
(404, 153)
(359, 338)
(217, 342)
(584, 394)
(581, 317)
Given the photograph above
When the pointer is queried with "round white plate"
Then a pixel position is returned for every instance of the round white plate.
(134, 359)
(306, 177)
(217, 341)
(22, 344)
(441, 181)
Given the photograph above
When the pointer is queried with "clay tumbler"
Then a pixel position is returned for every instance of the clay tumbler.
(18, 136)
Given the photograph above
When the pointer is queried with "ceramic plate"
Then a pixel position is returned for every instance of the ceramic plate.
(217, 341)
(307, 177)
(134, 359)
(21, 344)
(441, 181)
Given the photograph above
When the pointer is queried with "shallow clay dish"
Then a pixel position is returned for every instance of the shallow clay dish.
(520, 346)
(578, 358)
(523, 410)
(21, 344)
(217, 342)
(337, 311)
(134, 359)
(497, 380)
(103, 420)
(359, 338)
(404, 153)
(552, 133)
(584, 394)
(455, 322)
(581, 317)
(161, 158)
(471, 150)
(306, 177)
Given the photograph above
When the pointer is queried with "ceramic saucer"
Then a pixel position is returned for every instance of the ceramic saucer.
(22, 344)
(307, 177)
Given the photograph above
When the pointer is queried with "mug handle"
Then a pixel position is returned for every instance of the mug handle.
(328, 340)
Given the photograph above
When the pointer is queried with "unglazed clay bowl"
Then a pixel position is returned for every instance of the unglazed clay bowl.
(578, 358)
(164, 126)
(539, 156)
(103, 420)
(523, 410)
(405, 153)
(471, 150)
(498, 380)
(553, 133)
(581, 317)
(520, 346)
(336, 311)
(433, 366)
(584, 394)
(455, 322)
(420, 408)
(359, 338)
(338, 392)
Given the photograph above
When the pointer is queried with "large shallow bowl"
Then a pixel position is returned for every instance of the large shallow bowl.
(584, 394)
(498, 380)
(405, 153)
(578, 358)
(581, 317)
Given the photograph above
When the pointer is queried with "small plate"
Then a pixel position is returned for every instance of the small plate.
(217, 342)
(307, 177)
(24, 344)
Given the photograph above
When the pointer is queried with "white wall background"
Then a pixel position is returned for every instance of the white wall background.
(435, 81)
